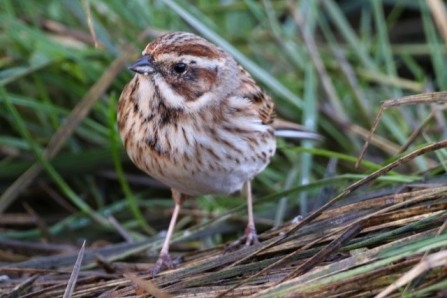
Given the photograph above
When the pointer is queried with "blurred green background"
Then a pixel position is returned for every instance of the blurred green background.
(328, 64)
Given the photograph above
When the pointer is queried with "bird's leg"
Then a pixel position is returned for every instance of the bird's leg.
(250, 237)
(250, 230)
(164, 259)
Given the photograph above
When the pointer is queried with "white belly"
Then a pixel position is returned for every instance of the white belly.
(202, 165)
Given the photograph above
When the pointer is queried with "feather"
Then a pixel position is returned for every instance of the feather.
(289, 129)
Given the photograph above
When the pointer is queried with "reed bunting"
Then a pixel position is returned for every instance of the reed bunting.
(195, 120)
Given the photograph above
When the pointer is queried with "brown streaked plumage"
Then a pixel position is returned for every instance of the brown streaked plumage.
(194, 119)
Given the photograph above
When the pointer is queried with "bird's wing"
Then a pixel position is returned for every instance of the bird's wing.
(262, 102)
(264, 105)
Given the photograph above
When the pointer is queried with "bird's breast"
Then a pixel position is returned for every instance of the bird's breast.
(199, 157)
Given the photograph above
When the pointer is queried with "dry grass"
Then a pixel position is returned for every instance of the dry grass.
(64, 175)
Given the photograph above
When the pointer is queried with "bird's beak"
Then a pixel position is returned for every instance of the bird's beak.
(143, 65)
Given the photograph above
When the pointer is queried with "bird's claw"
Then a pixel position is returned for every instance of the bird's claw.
(164, 262)
(250, 238)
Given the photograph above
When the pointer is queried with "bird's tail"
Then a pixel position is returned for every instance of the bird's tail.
(288, 129)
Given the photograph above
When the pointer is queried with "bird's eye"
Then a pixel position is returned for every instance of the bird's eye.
(180, 67)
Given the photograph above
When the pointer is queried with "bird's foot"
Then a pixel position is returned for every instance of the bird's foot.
(250, 238)
(164, 262)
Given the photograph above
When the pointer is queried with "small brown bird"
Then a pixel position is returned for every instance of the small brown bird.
(195, 120)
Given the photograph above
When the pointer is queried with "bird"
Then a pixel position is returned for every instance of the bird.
(193, 118)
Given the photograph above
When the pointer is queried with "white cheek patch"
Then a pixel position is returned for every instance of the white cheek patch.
(174, 100)
(171, 98)
(200, 102)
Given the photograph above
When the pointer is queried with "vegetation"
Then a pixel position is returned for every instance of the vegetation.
(64, 175)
